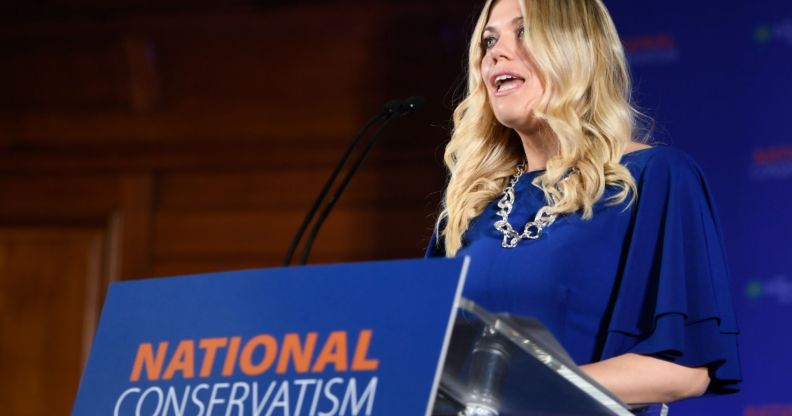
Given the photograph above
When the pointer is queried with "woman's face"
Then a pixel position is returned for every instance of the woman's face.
(513, 81)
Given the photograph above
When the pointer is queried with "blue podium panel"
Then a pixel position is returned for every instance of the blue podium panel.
(352, 339)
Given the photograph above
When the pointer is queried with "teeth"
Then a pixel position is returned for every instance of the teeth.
(503, 78)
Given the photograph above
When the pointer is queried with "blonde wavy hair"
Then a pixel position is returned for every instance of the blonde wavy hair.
(586, 105)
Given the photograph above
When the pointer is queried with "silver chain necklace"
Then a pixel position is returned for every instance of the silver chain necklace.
(533, 229)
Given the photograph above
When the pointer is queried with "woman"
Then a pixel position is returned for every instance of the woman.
(612, 244)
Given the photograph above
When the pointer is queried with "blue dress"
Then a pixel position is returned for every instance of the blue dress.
(651, 279)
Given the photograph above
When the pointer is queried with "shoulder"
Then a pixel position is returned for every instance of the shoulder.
(662, 163)
(668, 179)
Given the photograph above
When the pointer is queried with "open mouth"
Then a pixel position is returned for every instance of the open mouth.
(508, 82)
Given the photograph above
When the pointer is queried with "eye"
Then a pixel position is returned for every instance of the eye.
(488, 42)
(521, 32)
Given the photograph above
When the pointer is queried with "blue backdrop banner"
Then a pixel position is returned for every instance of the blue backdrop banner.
(716, 76)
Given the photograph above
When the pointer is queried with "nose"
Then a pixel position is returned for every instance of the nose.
(502, 50)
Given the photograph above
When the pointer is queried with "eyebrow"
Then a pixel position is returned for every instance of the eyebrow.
(513, 22)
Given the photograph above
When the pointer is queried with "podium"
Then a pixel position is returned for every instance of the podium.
(503, 365)
(384, 338)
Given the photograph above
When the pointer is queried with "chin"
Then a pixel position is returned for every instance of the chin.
(508, 116)
(514, 121)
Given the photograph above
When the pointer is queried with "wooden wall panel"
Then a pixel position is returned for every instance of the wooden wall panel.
(354, 234)
(131, 223)
(252, 216)
(51, 198)
(291, 189)
(49, 285)
(281, 75)
(186, 137)
(206, 119)
(80, 73)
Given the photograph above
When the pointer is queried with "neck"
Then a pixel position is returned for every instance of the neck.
(539, 145)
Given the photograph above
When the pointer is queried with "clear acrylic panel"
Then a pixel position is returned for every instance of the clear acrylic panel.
(503, 365)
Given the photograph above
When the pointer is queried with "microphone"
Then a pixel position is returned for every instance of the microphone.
(489, 365)
(405, 108)
(392, 107)
(389, 109)
(412, 104)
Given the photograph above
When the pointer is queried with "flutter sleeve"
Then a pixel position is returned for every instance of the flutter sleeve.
(673, 299)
